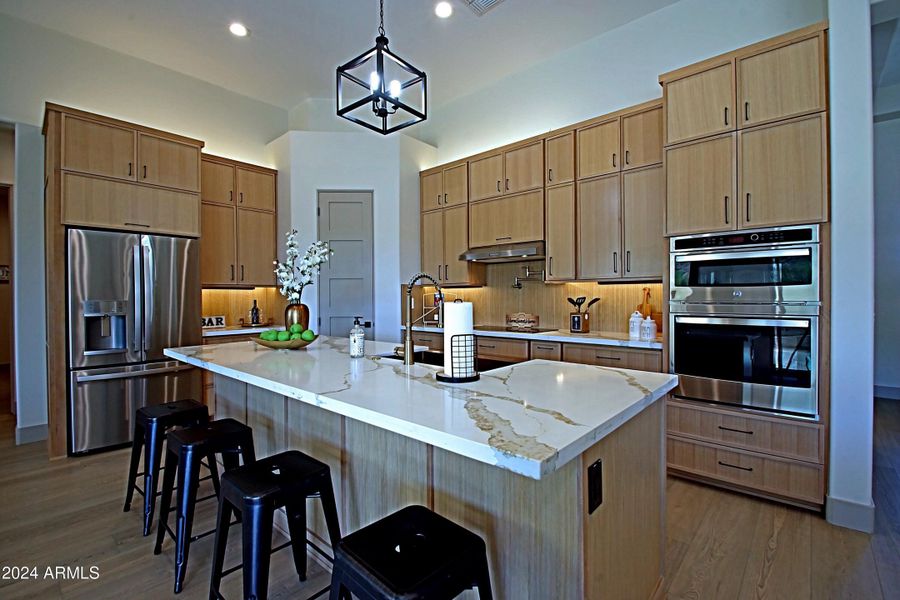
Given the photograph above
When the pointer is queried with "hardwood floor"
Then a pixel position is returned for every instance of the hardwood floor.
(720, 544)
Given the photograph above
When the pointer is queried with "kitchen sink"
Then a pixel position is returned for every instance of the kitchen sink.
(436, 359)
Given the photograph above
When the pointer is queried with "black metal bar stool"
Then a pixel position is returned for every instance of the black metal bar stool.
(286, 479)
(413, 553)
(186, 447)
(150, 426)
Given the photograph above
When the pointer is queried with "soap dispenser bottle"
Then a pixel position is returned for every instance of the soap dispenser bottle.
(357, 339)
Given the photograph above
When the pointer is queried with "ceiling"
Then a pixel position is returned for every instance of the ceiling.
(295, 45)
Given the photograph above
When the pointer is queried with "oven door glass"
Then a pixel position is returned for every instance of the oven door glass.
(773, 268)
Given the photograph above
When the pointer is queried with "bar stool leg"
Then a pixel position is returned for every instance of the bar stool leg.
(152, 456)
(136, 447)
(296, 519)
(338, 591)
(223, 522)
(188, 476)
(213, 471)
(165, 506)
(257, 546)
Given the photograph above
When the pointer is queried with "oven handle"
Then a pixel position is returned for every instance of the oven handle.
(738, 255)
(800, 323)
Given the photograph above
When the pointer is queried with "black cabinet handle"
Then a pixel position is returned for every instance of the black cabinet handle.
(232, 272)
(726, 115)
(725, 464)
(615, 262)
(500, 239)
(614, 159)
(746, 111)
(545, 347)
(129, 169)
(439, 199)
(551, 174)
(486, 346)
(445, 198)
(748, 207)
(242, 272)
(498, 185)
(241, 196)
(439, 273)
(507, 184)
(723, 428)
(137, 224)
(628, 261)
(145, 171)
(726, 210)
(608, 357)
(231, 196)
(626, 157)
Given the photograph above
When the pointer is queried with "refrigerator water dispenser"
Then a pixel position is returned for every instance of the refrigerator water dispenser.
(104, 326)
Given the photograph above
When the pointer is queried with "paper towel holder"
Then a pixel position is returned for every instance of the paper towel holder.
(463, 360)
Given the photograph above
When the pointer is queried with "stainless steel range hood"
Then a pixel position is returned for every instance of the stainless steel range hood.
(506, 253)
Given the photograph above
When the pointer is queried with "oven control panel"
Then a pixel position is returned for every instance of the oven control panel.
(748, 238)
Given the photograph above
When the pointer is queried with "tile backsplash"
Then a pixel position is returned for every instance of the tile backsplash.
(235, 304)
(498, 298)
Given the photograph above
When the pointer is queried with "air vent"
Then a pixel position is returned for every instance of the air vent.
(480, 7)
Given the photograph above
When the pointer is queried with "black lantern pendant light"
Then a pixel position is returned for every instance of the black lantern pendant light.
(379, 90)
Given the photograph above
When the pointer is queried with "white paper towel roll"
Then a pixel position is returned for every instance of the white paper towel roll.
(457, 321)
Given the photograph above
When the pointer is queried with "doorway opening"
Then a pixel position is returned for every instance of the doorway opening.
(6, 316)
(346, 282)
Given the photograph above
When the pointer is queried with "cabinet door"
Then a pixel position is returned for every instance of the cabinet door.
(783, 173)
(561, 158)
(524, 168)
(642, 139)
(168, 163)
(98, 148)
(216, 182)
(507, 220)
(432, 191)
(456, 186)
(599, 229)
(255, 189)
(782, 82)
(643, 210)
(598, 149)
(217, 245)
(561, 232)
(700, 186)
(456, 242)
(433, 244)
(255, 247)
(485, 177)
(701, 104)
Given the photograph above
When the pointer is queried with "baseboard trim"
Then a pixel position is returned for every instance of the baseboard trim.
(851, 515)
(27, 435)
(887, 391)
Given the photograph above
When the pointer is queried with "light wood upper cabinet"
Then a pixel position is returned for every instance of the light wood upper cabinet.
(507, 220)
(255, 189)
(217, 245)
(700, 186)
(433, 244)
(560, 213)
(642, 139)
(560, 151)
(599, 228)
(486, 177)
(783, 173)
(524, 168)
(217, 182)
(432, 191)
(168, 163)
(255, 247)
(455, 186)
(98, 148)
(643, 209)
(598, 149)
(701, 104)
(782, 82)
(456, 242)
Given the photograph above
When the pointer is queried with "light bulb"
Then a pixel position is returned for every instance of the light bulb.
(374, 81)
(443, 9)
(238, 29)
(395, 88)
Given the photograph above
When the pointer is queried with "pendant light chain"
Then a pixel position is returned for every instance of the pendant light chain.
(381, 16)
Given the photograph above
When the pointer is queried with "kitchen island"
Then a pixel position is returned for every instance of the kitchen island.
(507, 456)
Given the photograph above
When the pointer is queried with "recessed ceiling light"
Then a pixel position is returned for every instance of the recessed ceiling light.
(443, 9)
(238, 29)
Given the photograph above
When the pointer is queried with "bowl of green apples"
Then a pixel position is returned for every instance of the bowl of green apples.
(293, 338)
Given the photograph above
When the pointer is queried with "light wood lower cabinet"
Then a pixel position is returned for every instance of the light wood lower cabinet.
(599, 228)
(701, 185)
(560, 235)
(612, 356)
(92, 202)
(507, 220)
(434, 341)
(501, 348)
(255, 247)
(546, 350)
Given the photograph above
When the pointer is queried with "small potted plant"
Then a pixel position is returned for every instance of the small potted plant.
(298, 272)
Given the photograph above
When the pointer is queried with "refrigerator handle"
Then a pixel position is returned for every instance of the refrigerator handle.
(138, 298)
(148, 270)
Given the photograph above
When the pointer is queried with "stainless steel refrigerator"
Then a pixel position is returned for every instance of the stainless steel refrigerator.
(129, 297)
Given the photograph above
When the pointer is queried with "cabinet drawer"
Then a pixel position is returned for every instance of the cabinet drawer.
(127, 206)
(546, 350)
(786, 478)
(492, 347)
(507, 220)
(434, 341)
(609, 356)
(801, 441)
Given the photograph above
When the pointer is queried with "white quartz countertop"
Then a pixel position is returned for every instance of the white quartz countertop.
(599, 338)
(239, 330)
(530, 418)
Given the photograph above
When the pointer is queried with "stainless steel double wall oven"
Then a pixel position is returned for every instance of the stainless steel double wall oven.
(744, 318)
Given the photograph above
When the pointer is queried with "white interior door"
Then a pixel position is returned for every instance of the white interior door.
(346, 286)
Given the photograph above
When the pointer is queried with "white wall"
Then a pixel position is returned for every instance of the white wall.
(359, 161)
(38, 65)
(849, 501)
(887, 257)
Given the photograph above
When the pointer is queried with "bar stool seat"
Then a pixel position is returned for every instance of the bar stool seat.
(150, 426)
(284, 480)
(185, 448)
(413, 553)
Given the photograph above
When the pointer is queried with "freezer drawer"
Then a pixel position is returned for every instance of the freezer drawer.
(103, 401)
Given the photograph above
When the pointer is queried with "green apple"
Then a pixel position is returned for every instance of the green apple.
(284, 336)
(295, 336)
(308, 335)
(296, 328)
